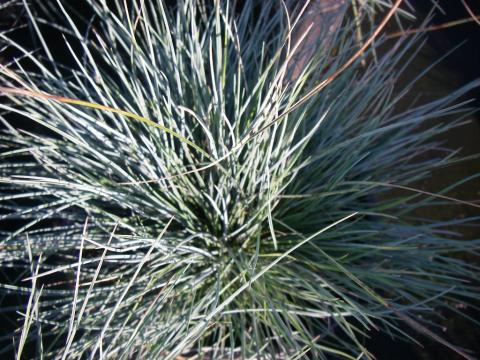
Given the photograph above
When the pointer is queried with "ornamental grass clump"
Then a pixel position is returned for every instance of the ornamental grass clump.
(180, 188)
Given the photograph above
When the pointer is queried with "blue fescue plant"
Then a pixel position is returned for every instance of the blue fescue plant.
(183, 190)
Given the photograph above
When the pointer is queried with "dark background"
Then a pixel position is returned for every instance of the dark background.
(457, 69)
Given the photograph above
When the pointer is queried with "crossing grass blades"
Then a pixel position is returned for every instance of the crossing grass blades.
(176, 190)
